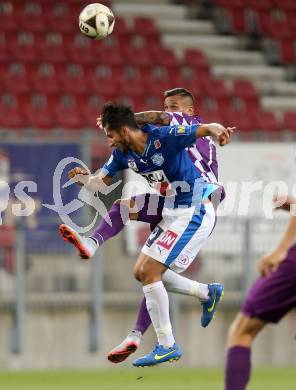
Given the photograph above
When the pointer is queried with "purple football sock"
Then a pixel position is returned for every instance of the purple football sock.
(238, 368)
(143, 320)
(117, 215)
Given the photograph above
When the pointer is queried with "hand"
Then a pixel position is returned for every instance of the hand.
(269, 263)
(283, 202)
(79, 175)
(222, 134)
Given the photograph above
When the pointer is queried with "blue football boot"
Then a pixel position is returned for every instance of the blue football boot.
(160, 354)
(216, 292)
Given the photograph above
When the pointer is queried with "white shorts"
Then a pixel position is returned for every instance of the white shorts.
(177, 239)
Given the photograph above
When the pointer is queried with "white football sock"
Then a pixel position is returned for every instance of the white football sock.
(157, 302)
(179, 284)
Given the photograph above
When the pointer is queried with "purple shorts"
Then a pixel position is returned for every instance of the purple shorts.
(270, 298)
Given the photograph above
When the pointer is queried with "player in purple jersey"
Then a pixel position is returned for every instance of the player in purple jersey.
(151, 148)
(271, 297)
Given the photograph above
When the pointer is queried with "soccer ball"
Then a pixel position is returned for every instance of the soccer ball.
(96, 21)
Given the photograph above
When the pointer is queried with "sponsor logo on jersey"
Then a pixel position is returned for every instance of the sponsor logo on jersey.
(157, 144)
(157, 159)
(132, 164)
(181, 130)
(167, 240)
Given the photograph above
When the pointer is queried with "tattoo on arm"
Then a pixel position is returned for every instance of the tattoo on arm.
(153, 117)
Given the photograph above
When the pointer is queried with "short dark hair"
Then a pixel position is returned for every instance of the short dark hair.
(116, 115)
(179, 91)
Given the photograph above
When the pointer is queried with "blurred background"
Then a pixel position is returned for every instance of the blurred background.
(238, 58)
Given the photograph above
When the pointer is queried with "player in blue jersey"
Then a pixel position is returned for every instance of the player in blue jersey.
(271, 297)
(158, 154)
(203, 155)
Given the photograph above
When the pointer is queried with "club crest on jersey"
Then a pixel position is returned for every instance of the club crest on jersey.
(157, 159)
(157, 144)
(132, 164)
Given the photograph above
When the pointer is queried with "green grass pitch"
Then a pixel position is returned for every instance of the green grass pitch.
(170, 378)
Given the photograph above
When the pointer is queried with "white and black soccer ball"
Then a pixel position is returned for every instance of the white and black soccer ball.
(96, 21)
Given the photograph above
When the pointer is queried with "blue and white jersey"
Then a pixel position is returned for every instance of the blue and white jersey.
(165, 163)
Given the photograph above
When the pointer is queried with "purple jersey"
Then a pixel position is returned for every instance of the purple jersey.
(203, 152)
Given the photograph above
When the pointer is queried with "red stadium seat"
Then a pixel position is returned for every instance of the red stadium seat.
(9, 16)
(266, 121)
(44, 79)
(288, 5)
(289, 120)
(72, 79)
(103, 80)
(139, 57)
(67, 113)
(197, 61)
(241, 119)
(38, 113)
(23, 47)
(287, 49)
(80, 49)
(60, 18)
(166, 57)
(11, 112)
(90, 109)
(5, 55)
(32, 17)
(217, 90)
(52, 48)
(16, 78)
(244, 93)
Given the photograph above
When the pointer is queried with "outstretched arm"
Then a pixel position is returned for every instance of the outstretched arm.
(153, 117)
(96, 182)
(270, 262)
(217, 131)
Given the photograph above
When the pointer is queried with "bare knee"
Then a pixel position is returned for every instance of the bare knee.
(142, 272)
(148, 270)
(243, 330)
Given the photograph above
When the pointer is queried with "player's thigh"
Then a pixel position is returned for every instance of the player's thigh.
(143, 207)
(147, 269)
(243, 330)
(177, 239)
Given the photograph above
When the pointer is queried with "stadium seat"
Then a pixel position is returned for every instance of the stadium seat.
(11, 113)
(23, 47)
(8, 16)
(5, 55)
(245, 94)
(289, 120)
(197, 60)
(38, 113)
(241, 119)
(265, 121)
(16, 78)
(103, 80)
(44, 79)
(32, 17)
(72, 79)
(51, 46)
(90, 109)
(80, 49)
(60, 19)
(67, 113)
(287, 50)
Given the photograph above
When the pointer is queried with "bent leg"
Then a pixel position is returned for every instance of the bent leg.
(238, 361)
(143, 207)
